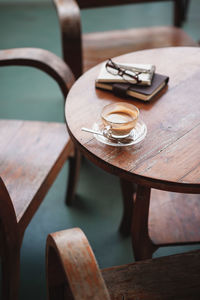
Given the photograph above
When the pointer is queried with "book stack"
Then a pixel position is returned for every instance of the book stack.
(150, 82)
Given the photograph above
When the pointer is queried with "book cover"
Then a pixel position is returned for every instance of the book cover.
(145, 93)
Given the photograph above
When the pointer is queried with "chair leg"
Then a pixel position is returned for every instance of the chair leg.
(11, 271)
(185, 9)
(142, 245)
(178, 15)
(74, 168)
(128, 190)
(180, 11)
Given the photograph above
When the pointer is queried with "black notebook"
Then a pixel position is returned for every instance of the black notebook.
(141, 92)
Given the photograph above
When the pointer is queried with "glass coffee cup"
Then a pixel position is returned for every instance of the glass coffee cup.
(120, 118)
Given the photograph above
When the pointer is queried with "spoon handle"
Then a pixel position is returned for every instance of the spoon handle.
(91, 131)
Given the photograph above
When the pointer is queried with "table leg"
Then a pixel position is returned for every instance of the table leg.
(128, 191)
(74, 168)
(142, 245)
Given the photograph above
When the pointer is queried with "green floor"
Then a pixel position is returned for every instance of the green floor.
(26, 93)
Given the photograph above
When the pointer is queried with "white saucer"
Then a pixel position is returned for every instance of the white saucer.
(136, 135)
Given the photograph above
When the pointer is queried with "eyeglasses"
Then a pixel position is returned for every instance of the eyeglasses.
(126, 73)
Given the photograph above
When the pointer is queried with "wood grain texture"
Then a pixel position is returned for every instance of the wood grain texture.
(174, 218)
(168, 158)
(70, 27)
(24, 169)
(31, 155)
(100, 46)
(73, 273)
(69, 254)
(83, 51)
(166, 278)
(142, 245)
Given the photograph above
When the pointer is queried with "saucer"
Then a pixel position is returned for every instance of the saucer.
(136, 135)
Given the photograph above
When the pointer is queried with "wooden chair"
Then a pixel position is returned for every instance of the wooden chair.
(83, 51)
(32, 153)
(73, 273)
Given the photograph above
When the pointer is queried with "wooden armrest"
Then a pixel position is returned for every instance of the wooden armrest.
(41, 59)
(70, 263)
(70, 25)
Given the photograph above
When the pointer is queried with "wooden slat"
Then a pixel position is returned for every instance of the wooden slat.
(37, 147)
(101, 3)
(180, 7)
(100, 46)
(173, 277)
(8, 130)
(182, 152)
(174, 218)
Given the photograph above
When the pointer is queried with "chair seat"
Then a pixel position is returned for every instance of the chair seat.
(174, 218)
(166, 278)
(100, 46)
(33, 163)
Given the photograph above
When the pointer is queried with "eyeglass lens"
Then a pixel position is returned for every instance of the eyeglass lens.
(127, 75)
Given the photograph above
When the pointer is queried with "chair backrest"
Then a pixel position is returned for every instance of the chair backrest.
(70, 24)
(101, 3)
(178, 6)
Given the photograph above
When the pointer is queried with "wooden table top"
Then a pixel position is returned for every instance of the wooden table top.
(169, 156)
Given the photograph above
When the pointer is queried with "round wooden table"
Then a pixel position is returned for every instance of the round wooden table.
(168, 159)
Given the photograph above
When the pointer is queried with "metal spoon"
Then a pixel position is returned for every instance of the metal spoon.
(107, 133)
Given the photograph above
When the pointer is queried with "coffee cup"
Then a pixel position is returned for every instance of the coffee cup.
(120, 118)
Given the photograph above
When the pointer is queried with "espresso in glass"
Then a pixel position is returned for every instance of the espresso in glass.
(120, 117)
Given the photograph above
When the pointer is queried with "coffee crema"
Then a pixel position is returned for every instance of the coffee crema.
(121, 117)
